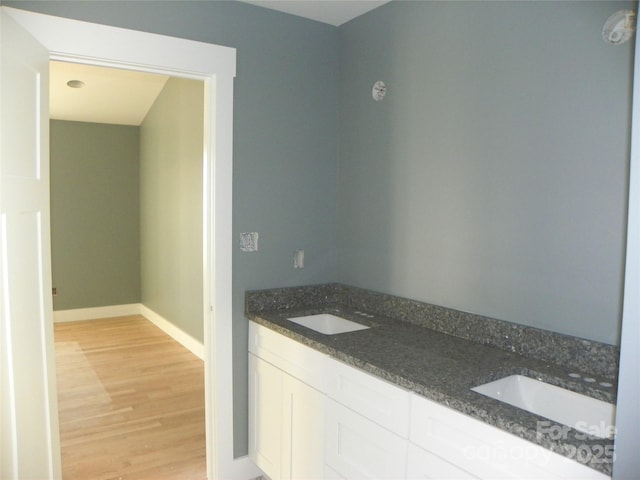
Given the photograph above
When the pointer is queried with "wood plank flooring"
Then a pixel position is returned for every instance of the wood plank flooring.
(131, 402)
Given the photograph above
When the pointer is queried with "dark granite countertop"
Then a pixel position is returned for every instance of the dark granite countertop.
(444, 368)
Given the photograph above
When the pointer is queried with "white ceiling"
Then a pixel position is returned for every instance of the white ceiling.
(109, 95)
(333, 12)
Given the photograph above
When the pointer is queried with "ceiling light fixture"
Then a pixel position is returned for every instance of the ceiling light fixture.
(75, 83)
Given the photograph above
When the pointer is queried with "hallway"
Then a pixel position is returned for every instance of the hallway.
(131, 402)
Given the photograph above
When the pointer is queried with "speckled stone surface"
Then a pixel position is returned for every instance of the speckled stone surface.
(578, 353)
(423, 348)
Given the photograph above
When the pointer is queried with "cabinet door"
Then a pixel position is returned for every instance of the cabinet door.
(357, 448)
(265, 416)
(302, 431)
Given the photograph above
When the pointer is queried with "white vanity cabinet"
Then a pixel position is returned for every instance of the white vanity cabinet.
(358, 449)
(380, 401)
(367, 424)
(314, 417)
(286, 415)
(265, 416)
(286, 423)
(422, 465)
(302, 431)
(479, 450)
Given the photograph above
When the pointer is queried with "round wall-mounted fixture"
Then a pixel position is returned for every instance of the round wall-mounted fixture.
(619, 27)
(75, 84)
(379, 90)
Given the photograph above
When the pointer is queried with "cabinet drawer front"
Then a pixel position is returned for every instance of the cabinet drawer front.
(357, 448)
(380, 401)
(423, 465)
(298, 360)
(485, 450)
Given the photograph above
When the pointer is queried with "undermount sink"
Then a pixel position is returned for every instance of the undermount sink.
(328, 324)
(586, 414)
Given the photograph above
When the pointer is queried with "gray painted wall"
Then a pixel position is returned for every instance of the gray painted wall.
(127, 210)
(493, 176)
(285, 139)
(95, 218)
(171, 152)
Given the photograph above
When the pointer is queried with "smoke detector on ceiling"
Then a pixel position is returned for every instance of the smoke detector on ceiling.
(619, 27)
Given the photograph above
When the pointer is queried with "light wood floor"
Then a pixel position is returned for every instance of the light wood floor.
(131, 402)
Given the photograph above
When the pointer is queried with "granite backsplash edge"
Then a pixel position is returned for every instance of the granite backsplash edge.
(574, 352)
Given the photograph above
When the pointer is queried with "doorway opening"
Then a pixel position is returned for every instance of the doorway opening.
(126, 167)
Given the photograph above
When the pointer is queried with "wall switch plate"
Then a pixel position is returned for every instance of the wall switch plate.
(298, 259)
(249, 241)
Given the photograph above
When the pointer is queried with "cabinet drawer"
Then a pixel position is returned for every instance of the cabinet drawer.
(373, 398)
(356, 448)
(296, 359)
(423, 465)
(485, 450)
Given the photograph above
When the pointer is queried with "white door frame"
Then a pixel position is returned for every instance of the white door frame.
(627, 442)
(82, 42)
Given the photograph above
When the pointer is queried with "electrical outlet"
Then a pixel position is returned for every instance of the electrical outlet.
(298, 259)
(54, 291)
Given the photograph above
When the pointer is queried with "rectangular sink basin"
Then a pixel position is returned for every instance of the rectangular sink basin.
(328, 324)
(586, 414)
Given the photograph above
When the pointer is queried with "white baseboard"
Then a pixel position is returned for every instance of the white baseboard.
(93, 313)
(187, 341)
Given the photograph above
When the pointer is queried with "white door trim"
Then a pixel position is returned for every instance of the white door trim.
(627, 442)
(82, 42)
